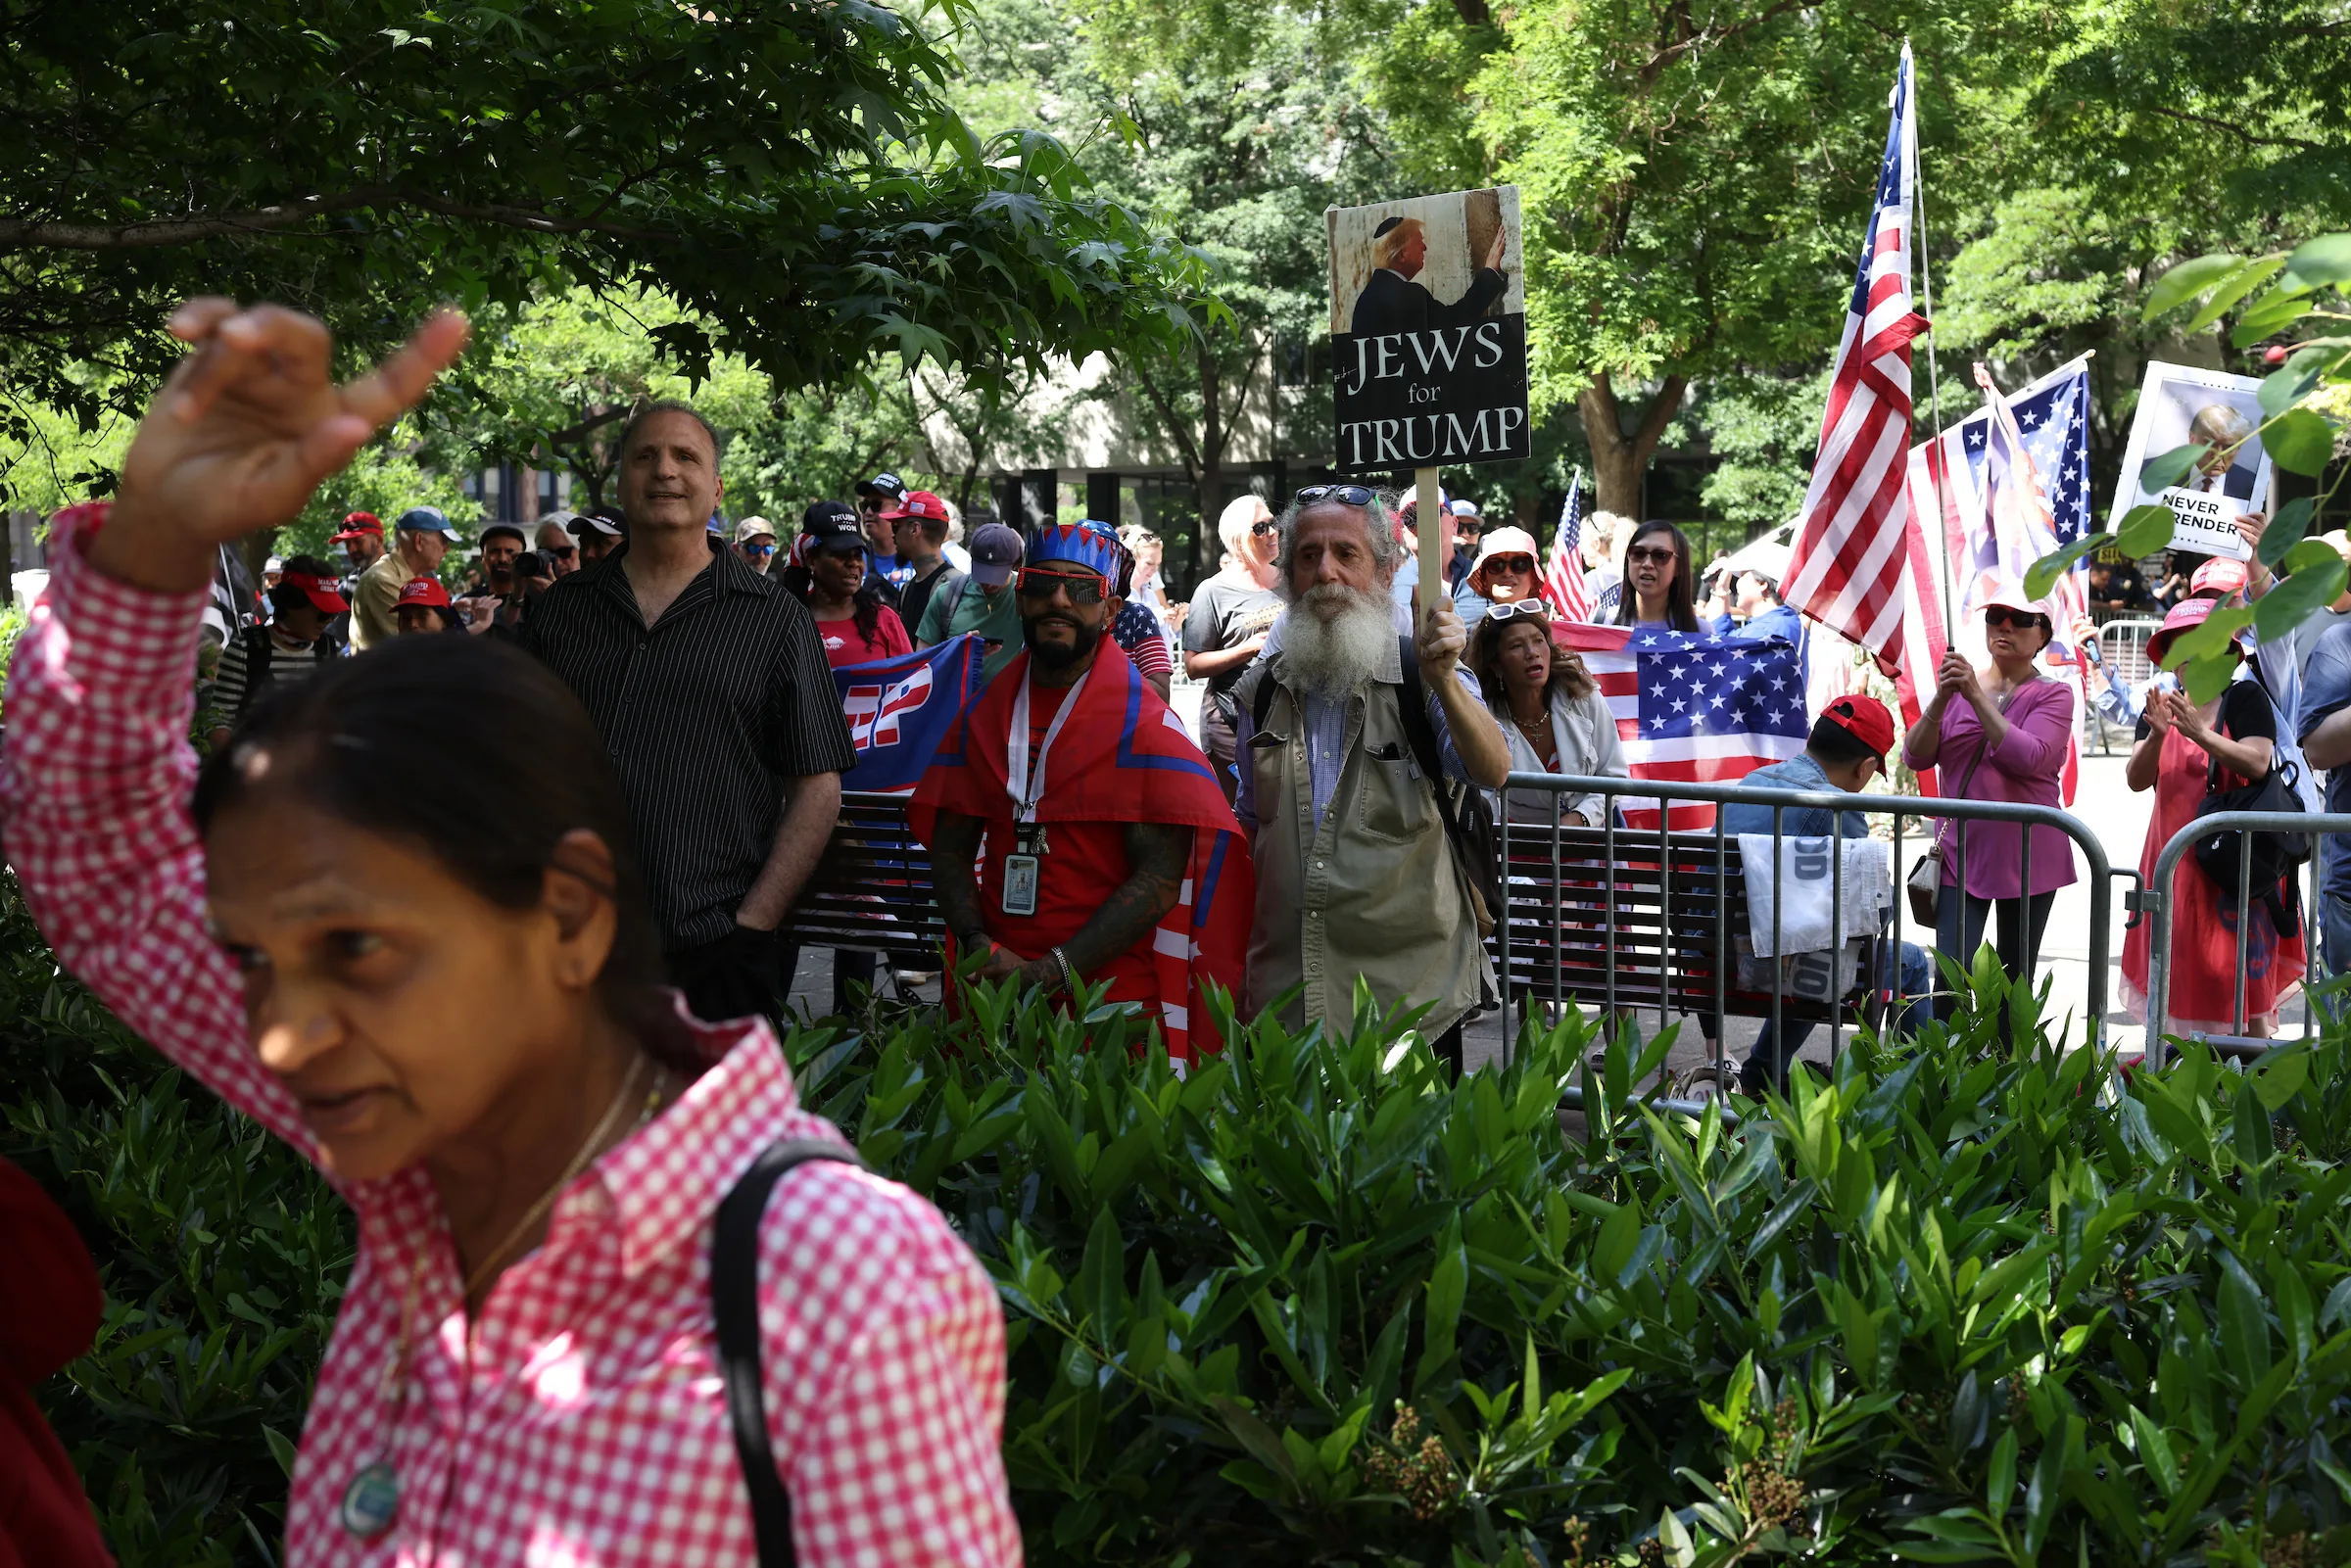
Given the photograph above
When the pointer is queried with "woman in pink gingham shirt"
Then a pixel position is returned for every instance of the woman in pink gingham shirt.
(473, 1048)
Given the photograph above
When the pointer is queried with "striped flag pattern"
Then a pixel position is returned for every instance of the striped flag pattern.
(1563, 577)
(1846, 568)
(1693, 709)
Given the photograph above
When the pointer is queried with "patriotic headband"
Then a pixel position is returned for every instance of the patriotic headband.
(1086, 542)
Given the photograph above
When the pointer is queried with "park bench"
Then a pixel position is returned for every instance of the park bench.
(872, 891)
(1669, 940)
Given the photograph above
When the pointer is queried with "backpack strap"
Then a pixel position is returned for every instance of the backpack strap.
(734, 1308)
(257, 653)
(1261, 700)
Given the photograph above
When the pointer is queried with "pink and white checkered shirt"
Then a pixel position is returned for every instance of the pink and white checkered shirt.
(586, 1423)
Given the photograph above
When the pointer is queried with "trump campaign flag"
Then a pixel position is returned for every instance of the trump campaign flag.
(1694, 709)
(898, 709)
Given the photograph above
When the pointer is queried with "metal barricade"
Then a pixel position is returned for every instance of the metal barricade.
(2156, 899)
(2123, 649)
(1596, 898)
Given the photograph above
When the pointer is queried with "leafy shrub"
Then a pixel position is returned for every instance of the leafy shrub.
(1971, 1298)
(223, 1257)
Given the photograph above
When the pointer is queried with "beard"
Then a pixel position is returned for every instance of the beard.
(1341, 638)
(1055, 657)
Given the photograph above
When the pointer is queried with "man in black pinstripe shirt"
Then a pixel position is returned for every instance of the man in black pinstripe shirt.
(711, 690)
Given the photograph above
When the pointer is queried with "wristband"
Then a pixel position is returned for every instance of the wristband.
(1068, 971)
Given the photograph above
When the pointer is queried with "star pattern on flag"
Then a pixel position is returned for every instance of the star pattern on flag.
(2055, 422)
(1749, 688)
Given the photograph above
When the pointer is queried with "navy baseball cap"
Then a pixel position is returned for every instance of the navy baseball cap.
(515, 529)
(830, 526)
(424, 520)
(884, 484)
(995, 550)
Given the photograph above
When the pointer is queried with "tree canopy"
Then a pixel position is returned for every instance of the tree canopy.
(792, 174)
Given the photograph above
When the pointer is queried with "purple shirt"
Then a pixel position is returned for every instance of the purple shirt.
(2027, 766)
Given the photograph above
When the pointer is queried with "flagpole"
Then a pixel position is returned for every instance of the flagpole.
(1936, 459)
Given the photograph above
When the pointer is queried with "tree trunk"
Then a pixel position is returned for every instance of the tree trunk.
(1205, 541)
(1619, 457)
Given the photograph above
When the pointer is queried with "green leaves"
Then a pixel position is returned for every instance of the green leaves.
(2322, 263)
(2186, 280)
(2299, 595)
(2042, 574)
(2284, 532)
(2300, 441)
(2170, 468)
(2146, 529)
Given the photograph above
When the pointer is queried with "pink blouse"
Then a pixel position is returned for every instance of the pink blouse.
(581, 1419)
(2026, 766)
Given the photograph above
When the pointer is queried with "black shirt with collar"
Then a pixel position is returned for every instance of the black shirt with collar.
(704, 713)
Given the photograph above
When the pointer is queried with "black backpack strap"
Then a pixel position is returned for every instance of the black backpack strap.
(258, 652)
(1412, 702)
(1261, 700)
(734, 1307)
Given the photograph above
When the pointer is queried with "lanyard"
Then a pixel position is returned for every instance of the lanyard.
(1018, 784)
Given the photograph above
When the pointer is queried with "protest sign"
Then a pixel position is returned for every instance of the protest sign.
(2181, 405)
(1428, 331)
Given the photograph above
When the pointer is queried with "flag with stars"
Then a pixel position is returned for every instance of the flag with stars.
(1694, 709)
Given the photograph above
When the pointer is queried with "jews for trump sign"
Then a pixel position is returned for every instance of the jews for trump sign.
(1428, 331)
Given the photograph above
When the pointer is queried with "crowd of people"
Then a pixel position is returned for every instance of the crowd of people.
(476, 897)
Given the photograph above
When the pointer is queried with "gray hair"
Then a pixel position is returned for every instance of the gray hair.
(1380, 526)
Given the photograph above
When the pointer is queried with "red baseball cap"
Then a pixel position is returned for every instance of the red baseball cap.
(2220, 577)
(1866, 718)
(424, 591)
(357, 525)
(918, 504)
(323, 592)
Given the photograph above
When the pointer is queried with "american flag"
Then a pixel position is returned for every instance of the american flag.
(1563, 577)
(1694, 709)
(1845, 571)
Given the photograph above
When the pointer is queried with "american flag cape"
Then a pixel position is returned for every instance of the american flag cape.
(1845, 569)
(2014, 487)
(898, 709)
(1122, 756)
(1694, 709)
(1563, 577)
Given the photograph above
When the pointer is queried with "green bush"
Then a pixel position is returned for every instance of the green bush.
(223, 1257)
(1972, 1299)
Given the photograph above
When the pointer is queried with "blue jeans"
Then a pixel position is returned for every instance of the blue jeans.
(1767, 1065)
(2335, 950)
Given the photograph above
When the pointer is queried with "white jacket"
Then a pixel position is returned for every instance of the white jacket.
(1584, 731)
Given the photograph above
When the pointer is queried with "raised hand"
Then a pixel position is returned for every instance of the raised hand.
(245, 430)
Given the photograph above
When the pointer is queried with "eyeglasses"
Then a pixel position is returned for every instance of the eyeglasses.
(1082, 588)
(1344, 495)
(2000, 615)
(1652, 556)
(1510, 564)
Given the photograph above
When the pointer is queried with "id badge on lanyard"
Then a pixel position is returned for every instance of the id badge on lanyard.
(1024, 862)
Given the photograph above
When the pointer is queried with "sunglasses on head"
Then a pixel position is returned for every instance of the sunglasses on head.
(2000, 615)
(1083, 587)
(1652, 555)
(1344, 495)
(1525, 609)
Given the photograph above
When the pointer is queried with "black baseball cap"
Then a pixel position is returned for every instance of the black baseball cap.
(883, 484)
(829, 525)
(520, 537)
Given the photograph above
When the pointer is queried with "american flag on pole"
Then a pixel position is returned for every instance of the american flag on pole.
(1845, 570)
(1694, 709)
(1563, 577)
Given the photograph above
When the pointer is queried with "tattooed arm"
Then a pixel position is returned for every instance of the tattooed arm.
(1156, 857)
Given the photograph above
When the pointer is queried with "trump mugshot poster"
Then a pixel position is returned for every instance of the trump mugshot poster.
(1428, 331)
(2181, 405)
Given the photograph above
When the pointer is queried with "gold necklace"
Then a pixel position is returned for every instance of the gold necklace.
(371, 1501)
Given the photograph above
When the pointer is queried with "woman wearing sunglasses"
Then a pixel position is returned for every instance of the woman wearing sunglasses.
(1659, 587)
(399, 922)
(1504, 574)
(1552, 713)
(1998, 733)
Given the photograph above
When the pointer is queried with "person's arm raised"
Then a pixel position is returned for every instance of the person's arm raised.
(98, 767)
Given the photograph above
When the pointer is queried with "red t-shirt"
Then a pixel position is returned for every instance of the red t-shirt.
(1084, 864)
(843, 644)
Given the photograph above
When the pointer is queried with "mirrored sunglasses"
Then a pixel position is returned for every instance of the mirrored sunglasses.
(1344, 495)
(1082, 587)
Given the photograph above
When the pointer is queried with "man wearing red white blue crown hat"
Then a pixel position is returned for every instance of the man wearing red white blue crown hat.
(1104, 852)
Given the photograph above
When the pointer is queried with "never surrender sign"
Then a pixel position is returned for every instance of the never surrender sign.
(1428, 331)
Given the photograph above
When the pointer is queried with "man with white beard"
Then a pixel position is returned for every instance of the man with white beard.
(1355, 873)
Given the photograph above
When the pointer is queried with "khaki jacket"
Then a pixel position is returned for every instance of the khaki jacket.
(372, 598)
(1373, 891)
